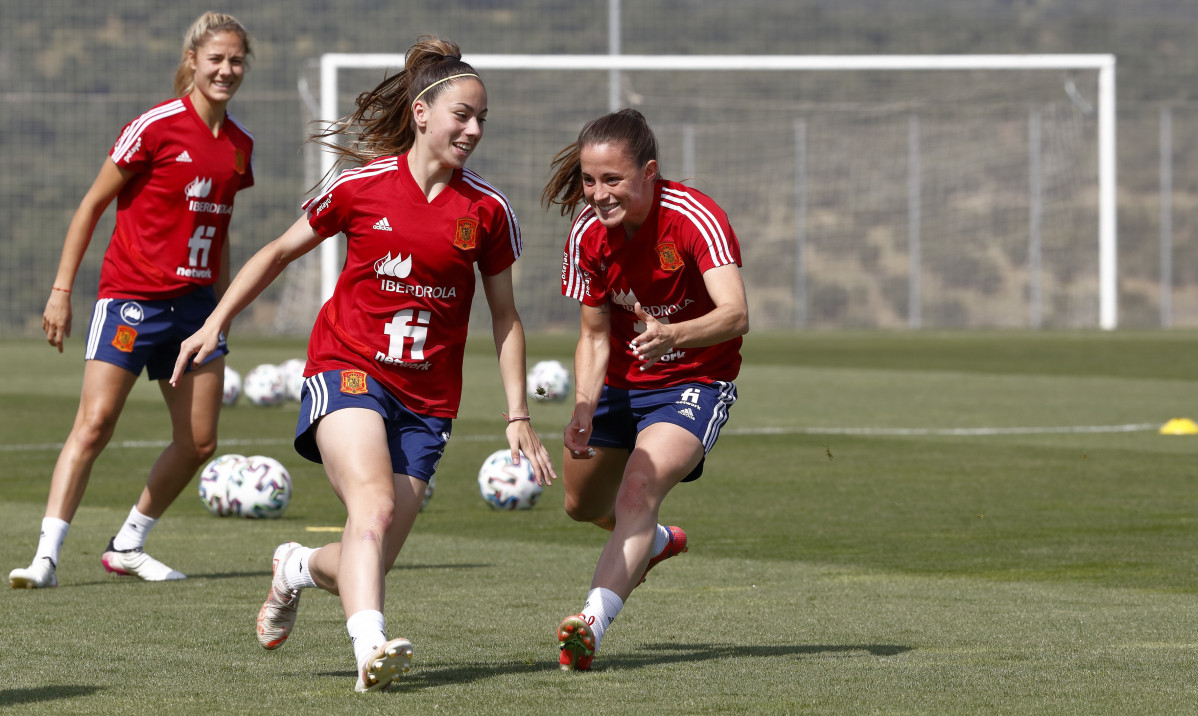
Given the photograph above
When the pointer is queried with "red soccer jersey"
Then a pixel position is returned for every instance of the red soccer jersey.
(662, 266)
(172, 218)
(401, 305)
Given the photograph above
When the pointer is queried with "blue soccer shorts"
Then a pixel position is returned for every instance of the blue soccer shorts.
(416, 441)
(135, 334)
(699, 408)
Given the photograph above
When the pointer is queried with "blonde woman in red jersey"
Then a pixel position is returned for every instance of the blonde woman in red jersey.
(174, 172)
(384, 371)
(655, 267)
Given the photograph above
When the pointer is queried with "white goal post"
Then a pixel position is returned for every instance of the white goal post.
(1104, 64)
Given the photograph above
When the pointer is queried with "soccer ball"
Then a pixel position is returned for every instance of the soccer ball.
(232, 386)
(214, 483)
(264, 385)
(259, 487)
(428, 492)
(505, 486)
(293, 377)
(549, 380)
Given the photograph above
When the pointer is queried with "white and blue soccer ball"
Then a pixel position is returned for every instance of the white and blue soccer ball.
(264, 385)
(214, 483)
(505, 486)
(259, 487)
(293, 377)
(232, 386)
(549, 380)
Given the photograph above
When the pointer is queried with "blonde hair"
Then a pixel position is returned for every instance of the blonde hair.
(207, 25)
(383, 123)
(626, 128)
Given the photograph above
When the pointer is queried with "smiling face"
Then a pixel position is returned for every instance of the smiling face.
(219, 66)
(451, 126)
(620, 191)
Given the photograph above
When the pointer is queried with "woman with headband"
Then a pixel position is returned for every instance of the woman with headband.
(384, 370)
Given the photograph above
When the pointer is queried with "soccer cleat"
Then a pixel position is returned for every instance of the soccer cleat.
(385, 666)
(276, 618)
(136, 563)
(38, 575)
(577, 643)
(673, 548)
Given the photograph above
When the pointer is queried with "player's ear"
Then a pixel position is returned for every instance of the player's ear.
(651, 170)
(420, 114)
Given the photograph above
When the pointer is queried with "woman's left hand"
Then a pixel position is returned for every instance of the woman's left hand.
(523, 439)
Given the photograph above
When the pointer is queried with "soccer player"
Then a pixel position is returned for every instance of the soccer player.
(174, 172)
(655, 266)
(384, 370)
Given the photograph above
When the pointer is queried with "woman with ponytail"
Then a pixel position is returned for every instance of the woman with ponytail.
(174, 172)
(384, 371)
(654, 265)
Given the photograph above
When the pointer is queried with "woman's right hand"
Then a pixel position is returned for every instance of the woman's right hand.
(576, 436)
(56, 320)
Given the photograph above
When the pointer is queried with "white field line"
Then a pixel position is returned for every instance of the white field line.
(864, 431)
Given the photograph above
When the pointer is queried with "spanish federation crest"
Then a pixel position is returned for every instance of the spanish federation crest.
(124, 339)
(667, 254)
(353, 382)
(466, 235)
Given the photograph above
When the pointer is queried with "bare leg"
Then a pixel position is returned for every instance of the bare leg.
(194, 407)
(381, 507)
(591, 485)
(664, 454)
(105, 389)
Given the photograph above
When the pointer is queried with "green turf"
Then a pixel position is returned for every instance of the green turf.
(894, 523)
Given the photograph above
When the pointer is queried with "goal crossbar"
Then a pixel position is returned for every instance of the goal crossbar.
(1104, 64)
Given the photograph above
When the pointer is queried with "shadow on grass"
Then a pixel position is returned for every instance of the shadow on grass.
(14, 697)
(651, 654)
(673, 653)
(112, 579)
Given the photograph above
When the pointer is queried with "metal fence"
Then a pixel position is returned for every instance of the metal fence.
(72, 74)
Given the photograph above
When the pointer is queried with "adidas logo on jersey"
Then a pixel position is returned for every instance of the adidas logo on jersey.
(184, 157)
(687, 413)
(383, 224)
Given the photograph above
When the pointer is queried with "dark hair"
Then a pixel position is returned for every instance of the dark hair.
(383, 123)
(627, 128)
(205, 26)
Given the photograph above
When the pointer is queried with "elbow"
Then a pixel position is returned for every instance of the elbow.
(741, 323)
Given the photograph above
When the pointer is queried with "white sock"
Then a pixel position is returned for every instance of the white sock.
(49, 543)
(295, 569)
(600, 611)
(660, 540)
(366, 633)
(134, 532)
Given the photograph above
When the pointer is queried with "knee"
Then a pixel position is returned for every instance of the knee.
(579, 511)
(634, 496)
(92, 432)
(205, 451)
(197, 451)
(374, 522)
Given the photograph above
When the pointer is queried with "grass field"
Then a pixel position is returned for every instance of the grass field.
(894, 523)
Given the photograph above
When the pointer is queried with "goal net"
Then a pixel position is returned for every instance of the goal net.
(867, 192)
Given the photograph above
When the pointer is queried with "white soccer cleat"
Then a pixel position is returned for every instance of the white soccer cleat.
(276, 618)
(39, 575)
(136, 563)
(385, 666)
